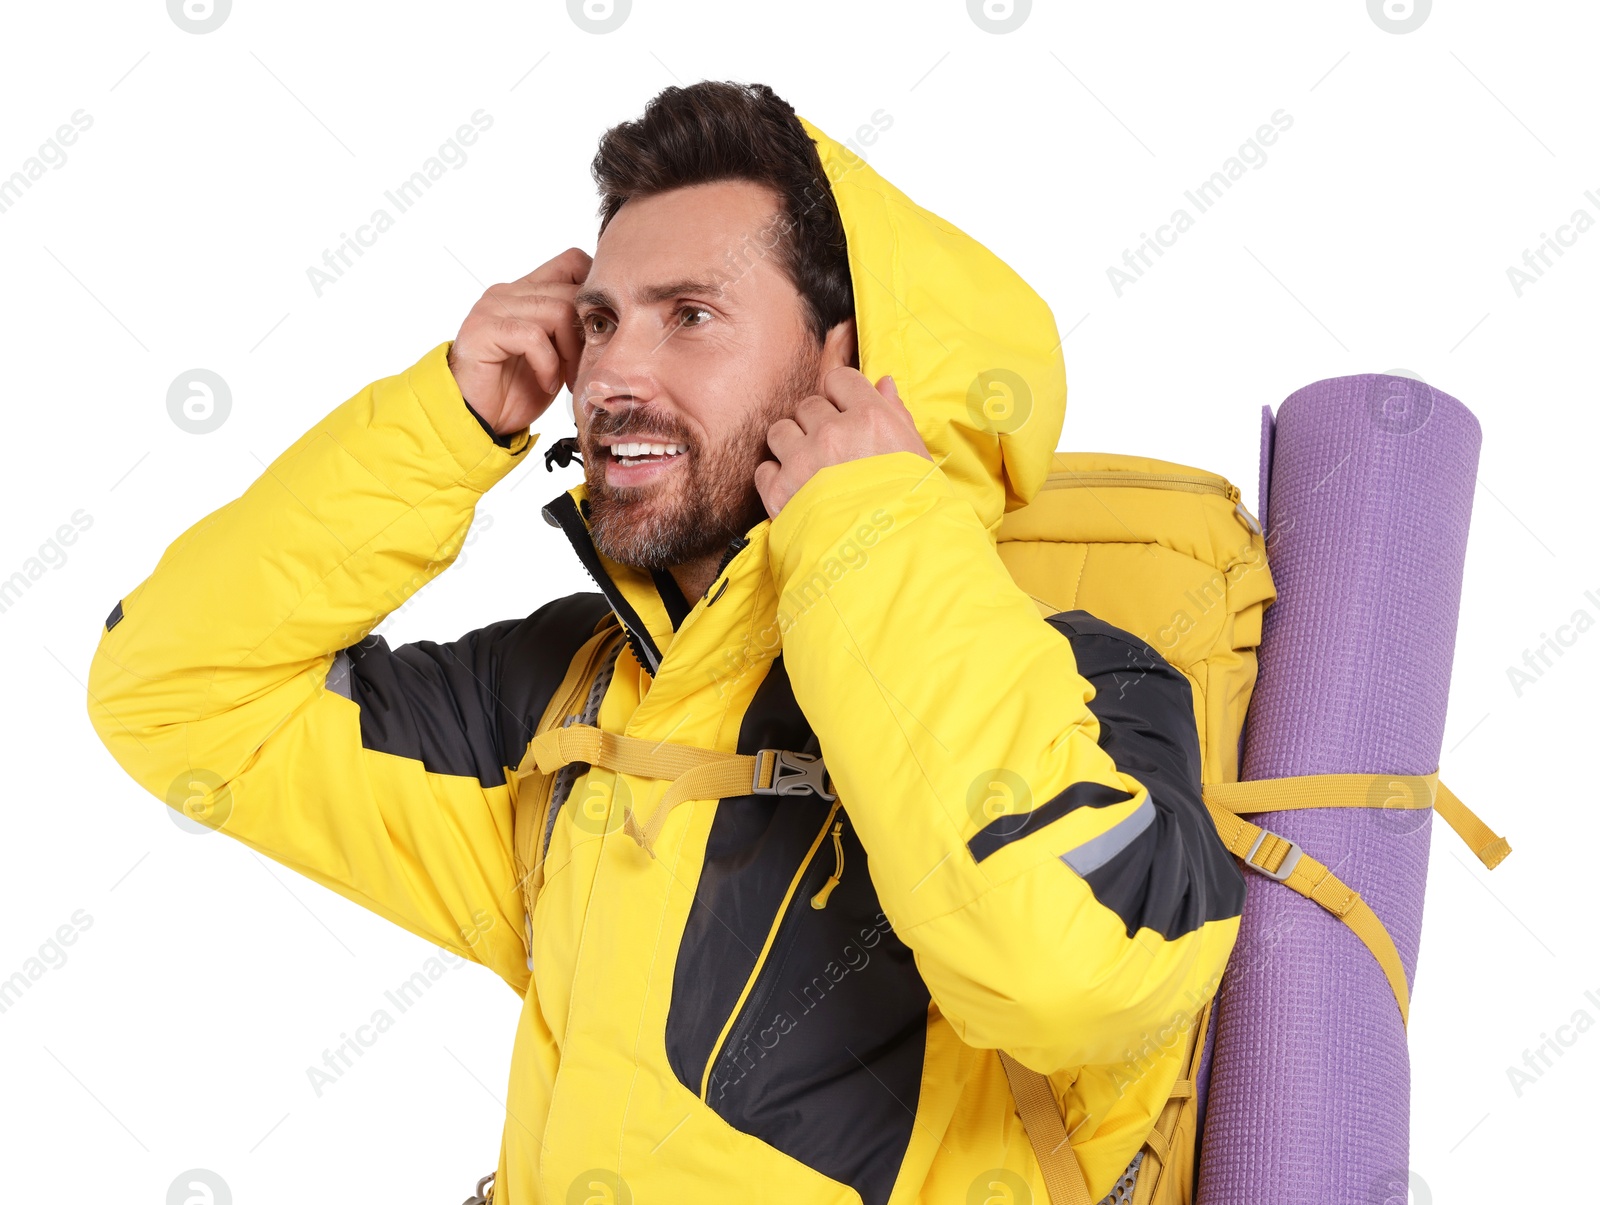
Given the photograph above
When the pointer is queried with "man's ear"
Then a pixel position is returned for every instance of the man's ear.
(839, 348)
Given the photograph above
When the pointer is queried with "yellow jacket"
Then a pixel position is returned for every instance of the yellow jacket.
(719, 1023)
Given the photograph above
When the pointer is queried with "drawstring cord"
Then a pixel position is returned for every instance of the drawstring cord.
(820, 900)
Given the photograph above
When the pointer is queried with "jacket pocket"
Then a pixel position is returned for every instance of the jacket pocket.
(811, 882)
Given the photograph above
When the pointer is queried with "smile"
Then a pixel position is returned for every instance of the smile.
(645, 453)
(638, 462)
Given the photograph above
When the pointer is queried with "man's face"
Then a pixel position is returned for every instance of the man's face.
(695, 342)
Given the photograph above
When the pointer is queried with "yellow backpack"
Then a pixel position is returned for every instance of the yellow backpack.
(1170, 554)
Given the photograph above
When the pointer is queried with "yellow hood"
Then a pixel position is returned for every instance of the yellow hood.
(972, 347)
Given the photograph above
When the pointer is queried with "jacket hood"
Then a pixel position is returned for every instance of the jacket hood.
(973, 350)
(972, 347)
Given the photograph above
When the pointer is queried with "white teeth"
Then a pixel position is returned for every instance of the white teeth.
(622, 451)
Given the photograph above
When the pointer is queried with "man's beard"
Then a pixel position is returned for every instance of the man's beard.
(710, 501)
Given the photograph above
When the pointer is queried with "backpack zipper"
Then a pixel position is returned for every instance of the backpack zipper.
(782, 914)
(1191, 483)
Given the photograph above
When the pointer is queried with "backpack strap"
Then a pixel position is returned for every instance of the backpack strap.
(1489, 848)
(694, 773)
(1282, 859)
(1047, 1134)
(1395, 791)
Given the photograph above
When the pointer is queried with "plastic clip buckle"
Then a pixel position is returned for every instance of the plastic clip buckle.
(1285, 868)
(792, 774)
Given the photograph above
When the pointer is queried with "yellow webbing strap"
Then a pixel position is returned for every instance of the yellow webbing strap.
(1282, 859)
(694, 773)
(1047, 1134)
(1490, 848)
(1396, 791)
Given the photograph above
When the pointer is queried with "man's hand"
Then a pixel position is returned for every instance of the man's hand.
(521, 343)
(850, 419)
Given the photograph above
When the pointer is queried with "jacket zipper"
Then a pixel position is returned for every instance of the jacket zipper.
(820, 900)
(1192, 483)
(737, 545)
(779, 918)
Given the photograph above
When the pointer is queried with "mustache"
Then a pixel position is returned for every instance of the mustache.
(637, 422)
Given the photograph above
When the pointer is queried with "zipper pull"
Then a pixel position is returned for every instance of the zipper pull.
(1235, 496)
(820, 900)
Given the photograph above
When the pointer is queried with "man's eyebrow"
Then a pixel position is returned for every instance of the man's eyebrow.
(650, 294)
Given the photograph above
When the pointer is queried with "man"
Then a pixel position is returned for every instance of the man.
(729, 994)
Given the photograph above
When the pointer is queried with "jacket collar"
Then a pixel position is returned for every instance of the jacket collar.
(732, 608)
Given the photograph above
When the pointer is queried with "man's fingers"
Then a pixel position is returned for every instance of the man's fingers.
(846, 388)
(571, 266)
(891, 393)
(520, 296)
(520, 343)
(766, 477)
(851, 420)
(551, 312)
(513, 337)
(569, 343)
(784, 438)
(770, 484)
(813, 411)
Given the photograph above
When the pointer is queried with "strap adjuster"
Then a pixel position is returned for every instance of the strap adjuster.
(1285, 868)
(782, 772)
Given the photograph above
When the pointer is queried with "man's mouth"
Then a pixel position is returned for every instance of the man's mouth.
(634, 452)
(639, 462)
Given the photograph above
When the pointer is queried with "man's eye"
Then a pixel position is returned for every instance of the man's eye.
(588, 324)
(684, 310)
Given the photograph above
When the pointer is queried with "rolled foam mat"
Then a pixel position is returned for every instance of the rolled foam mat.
(1263, 476)
(1370, 494)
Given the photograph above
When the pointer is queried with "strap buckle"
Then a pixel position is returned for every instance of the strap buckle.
(782, 772)
(1285, 868)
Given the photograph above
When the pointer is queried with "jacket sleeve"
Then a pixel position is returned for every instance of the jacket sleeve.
(239, 684)
(1027, 791)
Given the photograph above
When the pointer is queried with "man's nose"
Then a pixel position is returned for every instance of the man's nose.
(623, 372)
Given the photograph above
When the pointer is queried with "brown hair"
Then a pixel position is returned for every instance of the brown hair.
(718, 130)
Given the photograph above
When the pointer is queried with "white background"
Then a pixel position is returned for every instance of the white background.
(219, 166)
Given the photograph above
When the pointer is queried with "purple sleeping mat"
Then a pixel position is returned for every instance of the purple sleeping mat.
(1366, 495)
